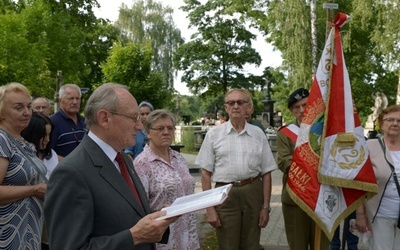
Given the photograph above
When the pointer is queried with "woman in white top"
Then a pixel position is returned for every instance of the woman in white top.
(380, 214)
(38, 133)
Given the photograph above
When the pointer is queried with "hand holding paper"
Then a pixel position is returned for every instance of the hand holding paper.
(198, 201)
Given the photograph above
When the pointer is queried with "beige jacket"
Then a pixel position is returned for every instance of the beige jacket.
(382, 172)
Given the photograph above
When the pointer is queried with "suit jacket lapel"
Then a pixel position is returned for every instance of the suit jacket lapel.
(111, 175)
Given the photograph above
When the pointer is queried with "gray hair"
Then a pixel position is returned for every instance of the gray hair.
(246, 93)
(104, 97)
(44, 98)
(251, 103)
(61, 92)
(159, 114)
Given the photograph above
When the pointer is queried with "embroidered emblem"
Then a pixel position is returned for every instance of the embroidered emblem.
(330, 202)
(348, 155)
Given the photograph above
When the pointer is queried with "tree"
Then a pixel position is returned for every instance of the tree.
(214, 60)
(78, 41)
(130, 65)
(21, 60)
(41, 37)
(148, 21)
(386, 36)
(288, 27)
(190, 106)
(314, 38)
(7, 6)
(366, 65)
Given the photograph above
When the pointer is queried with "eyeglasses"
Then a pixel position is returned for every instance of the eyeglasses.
(134, 118)
(392, 120)
(239, 102)
(162, 129)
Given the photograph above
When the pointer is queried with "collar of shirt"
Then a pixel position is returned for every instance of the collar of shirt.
(153, 157)
(107, 149)
(230, 129)
(67, 117)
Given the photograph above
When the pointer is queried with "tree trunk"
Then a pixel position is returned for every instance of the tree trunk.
(314, 44)
(398, 90)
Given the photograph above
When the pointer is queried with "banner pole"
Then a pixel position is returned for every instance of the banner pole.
(317, 238)
(329, 18)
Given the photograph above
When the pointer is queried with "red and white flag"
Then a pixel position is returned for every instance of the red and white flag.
(331, 173)
(291, 131)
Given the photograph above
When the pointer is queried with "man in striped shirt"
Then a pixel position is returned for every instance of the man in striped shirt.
(69, 125)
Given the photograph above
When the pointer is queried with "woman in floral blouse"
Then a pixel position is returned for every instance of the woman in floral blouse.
(165, 176)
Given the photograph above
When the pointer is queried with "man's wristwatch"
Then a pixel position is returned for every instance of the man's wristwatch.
(266, 207)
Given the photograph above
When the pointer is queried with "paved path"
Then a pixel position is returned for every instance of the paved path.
(273, 237)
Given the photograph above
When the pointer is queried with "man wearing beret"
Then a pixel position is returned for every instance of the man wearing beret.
(300, 228)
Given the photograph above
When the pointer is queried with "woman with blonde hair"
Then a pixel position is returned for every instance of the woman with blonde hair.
(22, 173)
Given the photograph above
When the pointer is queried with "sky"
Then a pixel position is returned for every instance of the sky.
(110, 8)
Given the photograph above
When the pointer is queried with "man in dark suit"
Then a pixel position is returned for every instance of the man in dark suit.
(89, 204)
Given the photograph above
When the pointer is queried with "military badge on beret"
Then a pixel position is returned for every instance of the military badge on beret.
(297, 95)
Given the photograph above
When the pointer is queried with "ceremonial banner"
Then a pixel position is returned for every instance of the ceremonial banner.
(331, 173)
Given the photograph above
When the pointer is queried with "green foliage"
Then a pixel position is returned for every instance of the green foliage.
(40, 37)
(78, 41)
(8, 6)
(190, 106)
(97, 45)
(150, 22)
(130, 65)
(369, 44)
(366, 64)
(210, 241)
(21, 60)
(386, 32)
(288, 26)
(188, 139)
(214, 60)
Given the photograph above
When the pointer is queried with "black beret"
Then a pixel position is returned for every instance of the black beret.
(296, 96)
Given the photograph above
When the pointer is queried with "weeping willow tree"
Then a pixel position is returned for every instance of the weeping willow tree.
(150, 22)
(372, 58)
(368, 43)
(386, 35)
(289, 28)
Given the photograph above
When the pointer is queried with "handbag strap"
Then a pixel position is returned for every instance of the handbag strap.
(394, 174)
(37, 168)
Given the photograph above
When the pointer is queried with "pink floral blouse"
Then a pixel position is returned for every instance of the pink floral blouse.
(164, 183)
